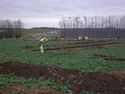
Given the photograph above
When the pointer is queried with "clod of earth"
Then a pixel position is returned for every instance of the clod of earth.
(105, 83)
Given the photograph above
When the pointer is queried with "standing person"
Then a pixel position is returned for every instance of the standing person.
(42, 41)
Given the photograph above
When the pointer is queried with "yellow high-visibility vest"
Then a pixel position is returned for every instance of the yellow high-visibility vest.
(44, 39)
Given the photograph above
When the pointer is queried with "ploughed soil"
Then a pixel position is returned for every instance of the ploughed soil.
(105, 83)
(90, 46)
(19, 89)
(109, 58)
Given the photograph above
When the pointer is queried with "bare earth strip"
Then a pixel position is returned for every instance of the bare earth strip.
(105, 83)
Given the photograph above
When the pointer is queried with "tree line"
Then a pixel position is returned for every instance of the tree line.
(92, 22)
(11, 29)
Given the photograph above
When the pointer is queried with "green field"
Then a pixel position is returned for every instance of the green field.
(81, 60)
(12, 50)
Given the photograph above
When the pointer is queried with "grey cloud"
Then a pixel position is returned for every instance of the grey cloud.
(27, 10)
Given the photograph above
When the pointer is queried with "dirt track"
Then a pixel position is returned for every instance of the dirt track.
(105, 83)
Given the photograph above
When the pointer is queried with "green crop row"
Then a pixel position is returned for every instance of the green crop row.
(81, 60)
(6, 80)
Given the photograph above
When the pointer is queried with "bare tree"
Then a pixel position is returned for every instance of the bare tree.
(10, 29)
(93, 22)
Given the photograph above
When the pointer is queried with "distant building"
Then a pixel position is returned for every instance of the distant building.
(37, 36)
(51, 33)
(91, 33)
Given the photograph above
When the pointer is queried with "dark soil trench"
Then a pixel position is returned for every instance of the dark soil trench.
(91, 46)
(109, 58)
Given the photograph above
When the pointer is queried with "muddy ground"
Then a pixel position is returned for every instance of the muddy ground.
(105, 83)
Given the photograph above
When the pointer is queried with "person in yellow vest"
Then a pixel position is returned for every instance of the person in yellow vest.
(42, 41)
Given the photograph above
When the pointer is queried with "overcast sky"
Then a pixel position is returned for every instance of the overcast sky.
(49, 12)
